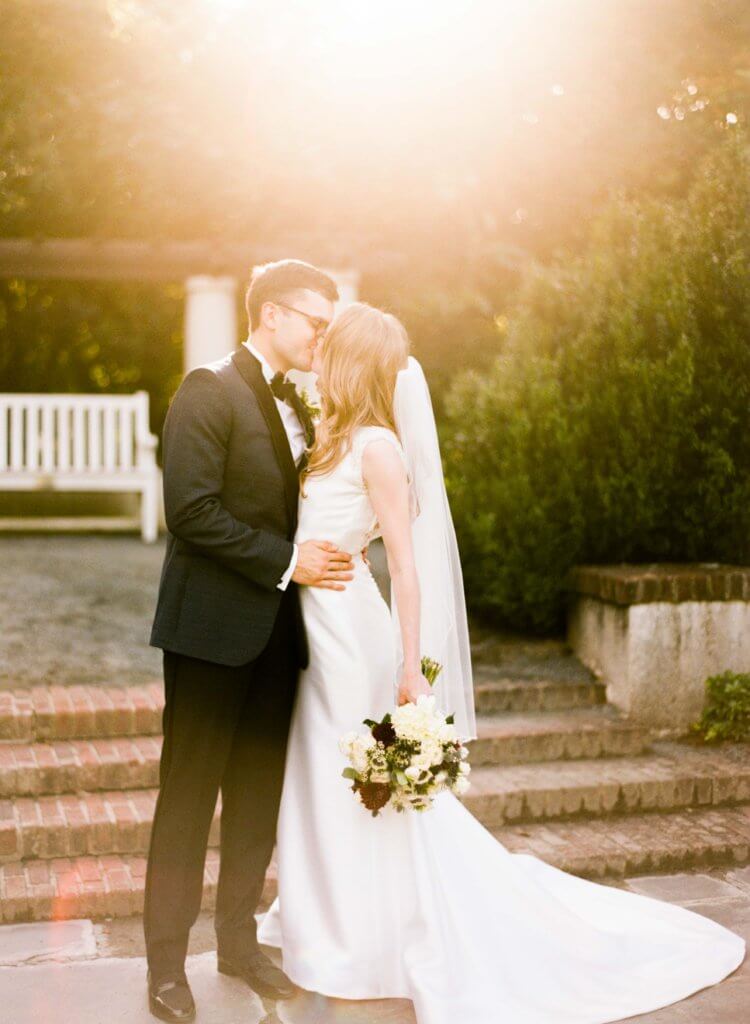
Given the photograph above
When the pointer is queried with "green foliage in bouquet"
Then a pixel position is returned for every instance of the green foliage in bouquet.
(313, 410)
(612, 428)
(726, 715)
(431, 669)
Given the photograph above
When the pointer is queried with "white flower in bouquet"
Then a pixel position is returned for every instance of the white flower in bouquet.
(360, 749)
(417, 721)
(407, 758)
(347, 742)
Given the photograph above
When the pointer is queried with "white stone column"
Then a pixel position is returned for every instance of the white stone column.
(347, 282)
(210, 319)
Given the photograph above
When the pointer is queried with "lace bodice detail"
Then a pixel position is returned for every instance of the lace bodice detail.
(336, 506)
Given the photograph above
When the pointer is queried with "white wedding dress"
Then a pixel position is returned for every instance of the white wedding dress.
(430, 906)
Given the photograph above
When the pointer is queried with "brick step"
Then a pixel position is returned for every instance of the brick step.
(69, 766)
(631, 844)
(669, 777)
(67, 712)
(622, 845)
(76, 825)
(524, 737)
(493, 694)
(82, 712)
(81, 887)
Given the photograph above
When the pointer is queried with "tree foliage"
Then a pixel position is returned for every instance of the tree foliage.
(613, 427)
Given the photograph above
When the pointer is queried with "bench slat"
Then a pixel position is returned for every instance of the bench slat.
(3, 435)
(63, 438)
(79, 438)
(48, 459)
(16, 437)
(94, 436)
(31, 435)
(127, 433)
(108, 414)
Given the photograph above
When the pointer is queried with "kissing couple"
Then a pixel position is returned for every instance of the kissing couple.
(276, 642)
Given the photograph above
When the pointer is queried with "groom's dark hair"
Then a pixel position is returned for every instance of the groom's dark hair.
(274, 282)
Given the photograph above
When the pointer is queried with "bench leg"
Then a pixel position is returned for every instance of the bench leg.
(150, 513)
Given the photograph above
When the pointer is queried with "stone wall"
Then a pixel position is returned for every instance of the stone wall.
(654, 633)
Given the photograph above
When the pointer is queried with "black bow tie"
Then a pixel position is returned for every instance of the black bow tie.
(284, 390)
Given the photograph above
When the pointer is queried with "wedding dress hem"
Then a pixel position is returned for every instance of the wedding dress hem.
(313, 982)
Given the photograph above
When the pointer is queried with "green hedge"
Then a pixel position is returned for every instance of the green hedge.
(615, 425)
(73, 336)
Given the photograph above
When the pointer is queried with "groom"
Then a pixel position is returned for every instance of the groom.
(229, 622)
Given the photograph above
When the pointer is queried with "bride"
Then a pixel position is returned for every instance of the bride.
(429, 906)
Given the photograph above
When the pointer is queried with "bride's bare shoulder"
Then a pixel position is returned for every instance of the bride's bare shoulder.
(380, 453)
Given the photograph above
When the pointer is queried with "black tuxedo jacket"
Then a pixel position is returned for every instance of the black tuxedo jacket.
(230, 497)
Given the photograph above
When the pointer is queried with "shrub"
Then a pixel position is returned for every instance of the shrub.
(613, 427)
(726, 715)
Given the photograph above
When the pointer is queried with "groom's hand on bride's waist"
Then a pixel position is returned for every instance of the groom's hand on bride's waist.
(321, 564)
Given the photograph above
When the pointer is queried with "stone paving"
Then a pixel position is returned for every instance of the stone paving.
(77, 610)
(97, 970)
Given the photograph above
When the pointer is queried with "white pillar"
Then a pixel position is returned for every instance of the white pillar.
(210, 319)
(347, 282)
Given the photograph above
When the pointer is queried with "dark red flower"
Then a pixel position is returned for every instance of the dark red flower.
(375, 795)
(385, 733)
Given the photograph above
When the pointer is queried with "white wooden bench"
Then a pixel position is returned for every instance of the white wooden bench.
(81, 443)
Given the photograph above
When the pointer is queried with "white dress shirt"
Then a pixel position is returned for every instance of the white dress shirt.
(297, 440)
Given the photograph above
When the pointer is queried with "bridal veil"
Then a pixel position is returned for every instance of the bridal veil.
(444, 632)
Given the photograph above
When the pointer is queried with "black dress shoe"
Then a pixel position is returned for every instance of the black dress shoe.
(170, 999)
(263, 976)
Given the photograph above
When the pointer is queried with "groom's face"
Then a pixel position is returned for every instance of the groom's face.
(300, 321)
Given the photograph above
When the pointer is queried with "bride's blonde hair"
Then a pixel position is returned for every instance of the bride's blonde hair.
(362, 351)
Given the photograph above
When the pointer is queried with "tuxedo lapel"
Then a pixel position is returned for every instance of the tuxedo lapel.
(252, 374)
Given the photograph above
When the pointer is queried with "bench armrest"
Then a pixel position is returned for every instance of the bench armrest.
(146, 445)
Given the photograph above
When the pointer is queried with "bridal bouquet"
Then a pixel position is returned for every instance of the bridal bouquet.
(408, 757)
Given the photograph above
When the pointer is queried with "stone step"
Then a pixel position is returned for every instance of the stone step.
(83, 887)
(132, 762)
(622, 845)
(669, 777)
(632, 844)
(524, 737)
(68, 712)
(493, 694)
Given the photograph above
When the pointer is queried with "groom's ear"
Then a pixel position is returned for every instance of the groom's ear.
(269, 313)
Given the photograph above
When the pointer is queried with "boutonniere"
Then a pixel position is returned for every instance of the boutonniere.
(313, 410)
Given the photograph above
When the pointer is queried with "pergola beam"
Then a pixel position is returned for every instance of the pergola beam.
(77, 259)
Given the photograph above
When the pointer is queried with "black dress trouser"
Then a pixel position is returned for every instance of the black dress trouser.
(225, 728)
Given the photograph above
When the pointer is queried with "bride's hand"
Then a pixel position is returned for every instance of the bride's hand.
(412, 685)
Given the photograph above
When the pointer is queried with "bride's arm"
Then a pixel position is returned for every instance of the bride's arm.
(385, 478)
